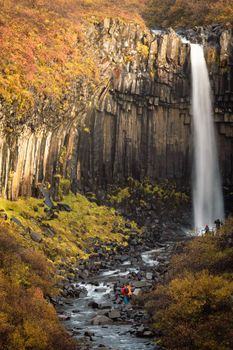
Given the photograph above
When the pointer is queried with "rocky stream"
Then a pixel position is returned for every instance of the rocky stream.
(91, 307)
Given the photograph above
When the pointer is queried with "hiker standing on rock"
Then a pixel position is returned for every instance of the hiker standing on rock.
(218, 224)
(126, 293)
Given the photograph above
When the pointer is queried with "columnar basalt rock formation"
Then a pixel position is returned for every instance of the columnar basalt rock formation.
(134, 122)
(139, 122)
(222, 84)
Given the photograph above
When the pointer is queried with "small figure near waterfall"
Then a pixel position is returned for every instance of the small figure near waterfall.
(207, 229)
(218, 224)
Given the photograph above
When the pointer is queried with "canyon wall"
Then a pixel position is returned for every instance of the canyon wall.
(135, 121)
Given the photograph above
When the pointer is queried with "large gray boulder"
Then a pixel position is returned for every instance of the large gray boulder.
(114, 314)
(101, 320)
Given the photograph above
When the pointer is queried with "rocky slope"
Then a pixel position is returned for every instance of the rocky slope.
(136, 122)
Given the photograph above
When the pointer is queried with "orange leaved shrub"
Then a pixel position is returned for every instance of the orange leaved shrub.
(193, 309)
(27, 320)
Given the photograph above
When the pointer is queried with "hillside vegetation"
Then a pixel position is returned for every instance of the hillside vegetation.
(37, 252)
(27, 321)
(183, 13)
(194, 308)
(44, 48)
(42, 45)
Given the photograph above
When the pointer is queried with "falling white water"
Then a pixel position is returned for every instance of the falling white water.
(207, 192)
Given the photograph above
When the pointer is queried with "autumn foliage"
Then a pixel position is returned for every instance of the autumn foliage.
(183, 13)
(43, 44)
(193, 309)
(27, 320)
(43, 48)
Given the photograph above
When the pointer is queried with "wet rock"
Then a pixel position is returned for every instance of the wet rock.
(88, 333)
(124, 258)
(75, 311)
(64, 317)
(149, 275)
(134, 241)
(114, 314)
(148, 334)
(100, 290)
(102, 312)
(141, 284)
(101, 320)
(137, 291)
(140, 331)
(93, 304)
(83, 294)
(105, 305)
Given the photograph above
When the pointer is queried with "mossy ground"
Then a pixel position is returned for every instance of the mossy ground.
(36, 250)
(70, 236)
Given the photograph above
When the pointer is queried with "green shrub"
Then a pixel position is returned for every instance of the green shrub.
(65, 186)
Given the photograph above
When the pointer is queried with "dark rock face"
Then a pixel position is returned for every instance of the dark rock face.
(137, 122)
(140, 125)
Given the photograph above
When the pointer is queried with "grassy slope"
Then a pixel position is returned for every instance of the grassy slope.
(74, 231)
(28, 270)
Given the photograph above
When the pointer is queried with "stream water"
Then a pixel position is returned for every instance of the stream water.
(78, 313)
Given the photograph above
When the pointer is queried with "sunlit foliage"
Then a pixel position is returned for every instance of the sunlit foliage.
(194, 308)
(195, 312)
(43, 47)
(178, 13)
(27, 320)
(28, 268)
(139, 192)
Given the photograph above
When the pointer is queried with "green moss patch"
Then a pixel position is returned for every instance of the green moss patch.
(69, 236)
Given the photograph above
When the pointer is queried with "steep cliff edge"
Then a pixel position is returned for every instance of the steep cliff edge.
(135, 122)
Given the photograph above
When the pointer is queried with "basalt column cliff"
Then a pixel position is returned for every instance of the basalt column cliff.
(141, 122)
(139, 125)
(134, 122)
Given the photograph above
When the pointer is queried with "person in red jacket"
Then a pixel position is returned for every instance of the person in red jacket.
(126, 293)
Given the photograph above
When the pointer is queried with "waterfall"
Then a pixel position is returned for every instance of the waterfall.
(207, 192)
